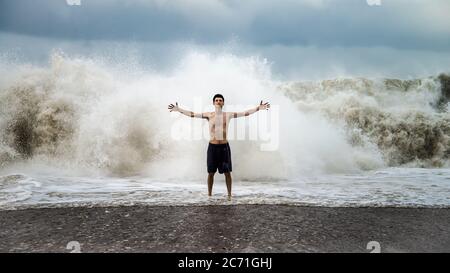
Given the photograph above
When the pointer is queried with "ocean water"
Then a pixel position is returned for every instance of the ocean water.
(393, 187)
(86, 132)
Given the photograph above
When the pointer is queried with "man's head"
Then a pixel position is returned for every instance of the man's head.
(218, 100)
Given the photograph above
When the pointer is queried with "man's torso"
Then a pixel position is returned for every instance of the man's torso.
(218, 127)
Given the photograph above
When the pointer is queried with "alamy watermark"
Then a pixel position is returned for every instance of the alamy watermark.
(78, 2)
(262, 126)
(373, 2)
(74, 246)
(73, 2)
(374, 246)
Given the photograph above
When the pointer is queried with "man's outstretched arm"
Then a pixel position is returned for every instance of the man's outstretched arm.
(261, 106)
(186, 112)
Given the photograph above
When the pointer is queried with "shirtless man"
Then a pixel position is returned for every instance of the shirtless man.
(219, 153)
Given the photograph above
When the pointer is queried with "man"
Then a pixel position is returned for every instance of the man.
(219, 153)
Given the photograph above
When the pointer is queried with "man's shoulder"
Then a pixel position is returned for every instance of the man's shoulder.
(207, 114)
(231, 114)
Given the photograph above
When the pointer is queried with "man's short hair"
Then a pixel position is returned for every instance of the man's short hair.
(218, 96)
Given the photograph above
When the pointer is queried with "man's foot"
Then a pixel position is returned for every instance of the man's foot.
(229, 197)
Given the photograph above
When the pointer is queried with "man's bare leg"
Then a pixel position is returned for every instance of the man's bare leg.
(210, 183)
(228, 181)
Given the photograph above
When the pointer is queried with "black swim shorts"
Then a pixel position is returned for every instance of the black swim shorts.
(219, 157)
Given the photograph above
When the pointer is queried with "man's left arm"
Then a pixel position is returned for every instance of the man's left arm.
(261, 106)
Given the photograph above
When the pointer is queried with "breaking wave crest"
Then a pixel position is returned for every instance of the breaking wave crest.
(408, 120)
(82, 113)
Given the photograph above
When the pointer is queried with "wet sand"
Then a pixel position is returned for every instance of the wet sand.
(233, 228)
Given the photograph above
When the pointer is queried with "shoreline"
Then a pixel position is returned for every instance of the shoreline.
(225, 228)
(219, 203)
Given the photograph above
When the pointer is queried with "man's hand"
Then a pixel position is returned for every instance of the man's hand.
(187, 112)
(173, 107)
(261, 106)
(264, 106)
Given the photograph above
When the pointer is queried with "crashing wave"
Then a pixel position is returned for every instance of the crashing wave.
(408, 120)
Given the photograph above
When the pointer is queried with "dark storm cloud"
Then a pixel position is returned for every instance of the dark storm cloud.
(91, 20)
(353, 23)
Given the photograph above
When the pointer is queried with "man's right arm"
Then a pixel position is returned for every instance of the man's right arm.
(186, 112)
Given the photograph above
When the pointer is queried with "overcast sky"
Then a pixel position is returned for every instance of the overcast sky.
(302, 38)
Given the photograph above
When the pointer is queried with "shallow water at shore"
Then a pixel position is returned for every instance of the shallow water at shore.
(397, 187)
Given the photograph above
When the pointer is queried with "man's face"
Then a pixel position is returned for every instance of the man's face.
(218, 102)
